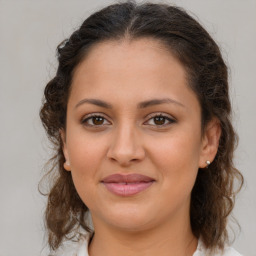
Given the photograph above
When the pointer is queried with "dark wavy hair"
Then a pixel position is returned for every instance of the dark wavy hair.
(213, 194)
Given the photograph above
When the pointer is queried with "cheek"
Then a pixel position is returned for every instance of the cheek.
(176, 158)
(85, 152)
(86, 156)
(177, 150)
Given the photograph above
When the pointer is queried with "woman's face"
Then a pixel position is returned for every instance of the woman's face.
(131, 111)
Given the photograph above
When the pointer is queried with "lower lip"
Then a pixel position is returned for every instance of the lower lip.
(127, 189)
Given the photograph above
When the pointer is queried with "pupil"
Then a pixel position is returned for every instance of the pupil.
(98, 120)
(160, 120)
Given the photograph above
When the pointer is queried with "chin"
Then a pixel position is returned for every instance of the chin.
(130, 219)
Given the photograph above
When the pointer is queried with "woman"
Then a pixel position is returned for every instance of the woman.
(139, 113)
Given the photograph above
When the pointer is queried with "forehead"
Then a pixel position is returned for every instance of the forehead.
(144, 58)
(144, 45)
(130, 71)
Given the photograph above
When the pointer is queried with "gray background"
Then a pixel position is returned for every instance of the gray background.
(29, 34)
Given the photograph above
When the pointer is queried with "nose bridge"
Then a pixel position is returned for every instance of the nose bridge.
(126, 144)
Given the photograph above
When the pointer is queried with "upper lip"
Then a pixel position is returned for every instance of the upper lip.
(127, 178)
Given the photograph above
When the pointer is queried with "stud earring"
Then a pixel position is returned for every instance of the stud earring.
(208, 163)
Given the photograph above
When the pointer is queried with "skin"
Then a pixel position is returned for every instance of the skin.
(130, 140)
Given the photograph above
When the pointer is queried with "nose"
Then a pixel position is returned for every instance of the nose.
(126, 146)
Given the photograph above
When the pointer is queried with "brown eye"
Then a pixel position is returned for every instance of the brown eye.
(160, 120)
(95, 120)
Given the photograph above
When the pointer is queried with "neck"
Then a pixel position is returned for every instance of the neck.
(166, 240)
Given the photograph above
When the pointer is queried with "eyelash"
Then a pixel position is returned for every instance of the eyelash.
(85, 120)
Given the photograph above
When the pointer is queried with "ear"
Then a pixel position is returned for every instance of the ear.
(210, 142)
(65, 151)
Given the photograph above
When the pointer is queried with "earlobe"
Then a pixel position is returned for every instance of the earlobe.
(210, 143)
(66, 165)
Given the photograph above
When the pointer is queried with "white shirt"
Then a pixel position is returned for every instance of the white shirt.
(81, 249)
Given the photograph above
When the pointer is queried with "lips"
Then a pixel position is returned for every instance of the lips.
(127, 185)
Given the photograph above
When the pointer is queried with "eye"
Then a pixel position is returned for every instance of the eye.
(95, 120)
(160, 120)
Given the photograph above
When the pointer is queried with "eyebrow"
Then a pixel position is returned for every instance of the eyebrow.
(143, 104)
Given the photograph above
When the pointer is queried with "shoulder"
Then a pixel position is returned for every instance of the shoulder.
(202, 251)
(229, 251)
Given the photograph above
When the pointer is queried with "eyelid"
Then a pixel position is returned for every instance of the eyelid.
(95, 114)
(170, 118)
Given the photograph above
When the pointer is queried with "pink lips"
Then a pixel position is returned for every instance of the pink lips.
(127, 185)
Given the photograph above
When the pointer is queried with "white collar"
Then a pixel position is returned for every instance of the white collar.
(81, 249)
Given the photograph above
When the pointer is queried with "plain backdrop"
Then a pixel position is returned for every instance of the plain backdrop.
(29, 34)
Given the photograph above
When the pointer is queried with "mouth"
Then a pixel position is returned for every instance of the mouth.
(127, 185)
